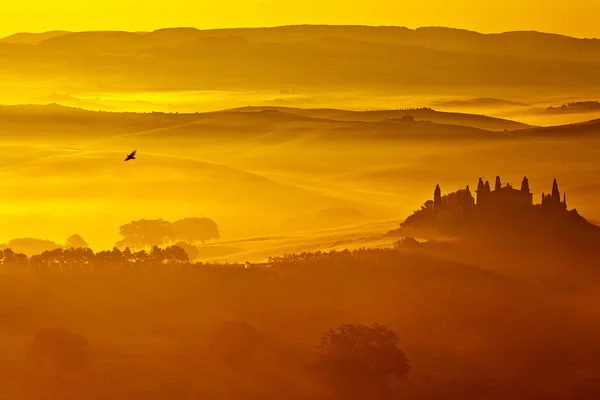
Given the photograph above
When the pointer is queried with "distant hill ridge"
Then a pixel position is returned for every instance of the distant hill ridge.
(27, 37)
(305, 56)
(433, 124)
(318, 114)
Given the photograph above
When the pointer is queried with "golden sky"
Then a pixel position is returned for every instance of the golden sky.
(574, 17)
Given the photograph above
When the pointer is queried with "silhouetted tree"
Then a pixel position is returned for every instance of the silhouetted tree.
(141, 257)
(488, 189)
(175, 255)
(195, 230)
(480, 192)
(145, 233)
(359, 358)
(555, 191)
(191, 250)
(468, 197)
(437, 197)
(128, 255)
(525, 185)
(428, 205)
(498, 184)
(11, 259)
(75, 242)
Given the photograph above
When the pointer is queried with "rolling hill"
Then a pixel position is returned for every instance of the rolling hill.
(271, 124)
(385, 58)
(274, 168)
(581, 129)
(32, 38)
(422, 114)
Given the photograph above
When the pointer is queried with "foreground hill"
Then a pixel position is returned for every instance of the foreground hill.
(427, 59)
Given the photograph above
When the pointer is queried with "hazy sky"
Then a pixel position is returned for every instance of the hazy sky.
(574, 17)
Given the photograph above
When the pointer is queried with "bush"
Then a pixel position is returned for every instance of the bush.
(358, 360)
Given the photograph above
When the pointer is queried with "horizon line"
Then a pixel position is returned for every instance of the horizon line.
(297, 25)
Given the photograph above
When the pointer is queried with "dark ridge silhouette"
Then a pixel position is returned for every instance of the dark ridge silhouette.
(313, 55)
(523, 43)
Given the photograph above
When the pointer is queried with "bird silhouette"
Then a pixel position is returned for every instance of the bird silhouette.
(131, 156)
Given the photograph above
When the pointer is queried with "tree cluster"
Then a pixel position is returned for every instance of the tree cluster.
(84, 259)
(145, 233)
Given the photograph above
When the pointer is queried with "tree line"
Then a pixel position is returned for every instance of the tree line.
(138, 235)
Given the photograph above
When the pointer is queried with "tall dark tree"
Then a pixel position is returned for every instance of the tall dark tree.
(498, 184)
(480, 192)
(468, 197)
(555, 192)
(488, 189)
(525, 185)
(437, 197)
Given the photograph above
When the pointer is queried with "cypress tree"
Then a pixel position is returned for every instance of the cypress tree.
(437, 198)
(498, 185)
(480, 190)
(555, 192)
(525, 185)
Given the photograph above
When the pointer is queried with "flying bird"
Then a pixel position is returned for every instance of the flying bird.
(131, 156)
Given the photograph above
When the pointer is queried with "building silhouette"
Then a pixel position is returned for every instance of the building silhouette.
(505, 198)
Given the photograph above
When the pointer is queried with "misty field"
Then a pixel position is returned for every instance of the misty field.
(466, 329)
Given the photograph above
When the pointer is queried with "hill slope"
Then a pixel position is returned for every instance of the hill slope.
(424, 114)
(424, 59)
(581, 129)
